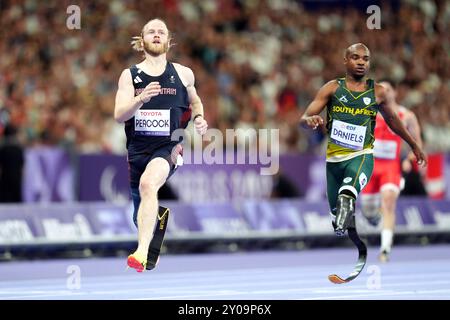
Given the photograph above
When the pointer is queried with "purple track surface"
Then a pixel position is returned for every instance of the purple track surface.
(412, 273)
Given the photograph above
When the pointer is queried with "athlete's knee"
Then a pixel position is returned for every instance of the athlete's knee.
(389, 196)
(148, 186)
(388, 201)
(388, 208)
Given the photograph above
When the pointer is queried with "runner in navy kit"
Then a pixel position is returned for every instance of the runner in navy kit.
(154, 98)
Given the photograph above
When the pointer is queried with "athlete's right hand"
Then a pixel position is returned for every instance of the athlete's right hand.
(420, 156)
(314, 121)
(151, 90)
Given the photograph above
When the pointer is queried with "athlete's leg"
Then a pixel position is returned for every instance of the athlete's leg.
(354, 175)
(370, 196)
(338, 200)
(357, 173)
(390, 190)
(334, 178)
(152, 179)
(389, 196)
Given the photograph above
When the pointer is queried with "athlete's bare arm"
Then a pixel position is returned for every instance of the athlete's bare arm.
(126, 103)
(196, 103)
(393, 121)
(413, 127)
(311, 118)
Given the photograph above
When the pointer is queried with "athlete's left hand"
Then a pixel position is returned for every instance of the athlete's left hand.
(420, 156)
(200, 125)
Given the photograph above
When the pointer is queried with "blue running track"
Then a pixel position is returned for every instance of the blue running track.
(412, 273)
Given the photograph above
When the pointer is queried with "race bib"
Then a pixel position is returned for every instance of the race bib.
(348, 135)
(385, 149)
(152, 122)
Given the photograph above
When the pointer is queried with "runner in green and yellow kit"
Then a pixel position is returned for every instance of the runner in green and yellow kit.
(352, 104)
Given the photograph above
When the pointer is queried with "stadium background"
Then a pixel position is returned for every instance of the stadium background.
(257, 65)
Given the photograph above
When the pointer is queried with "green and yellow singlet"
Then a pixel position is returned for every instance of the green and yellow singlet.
(351, 122)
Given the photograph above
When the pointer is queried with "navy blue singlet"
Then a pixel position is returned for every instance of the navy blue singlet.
(155, 121)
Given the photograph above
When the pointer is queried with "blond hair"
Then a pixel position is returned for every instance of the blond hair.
(137, 42)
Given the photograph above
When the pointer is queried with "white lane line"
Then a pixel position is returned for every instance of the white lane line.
(301, 270)
(221, 282)
(178, 278)
(247, 274)
(249, 283)
(363, 290)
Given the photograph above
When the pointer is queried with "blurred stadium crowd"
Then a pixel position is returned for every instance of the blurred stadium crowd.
(257, 63)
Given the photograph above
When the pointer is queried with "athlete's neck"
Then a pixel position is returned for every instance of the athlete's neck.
(154, 65)
(355, 84)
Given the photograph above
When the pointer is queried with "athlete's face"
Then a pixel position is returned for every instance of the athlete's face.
(357, 61)
(390, 91)
(156, 38)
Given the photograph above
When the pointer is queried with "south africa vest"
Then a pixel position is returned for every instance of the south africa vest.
(351, 119)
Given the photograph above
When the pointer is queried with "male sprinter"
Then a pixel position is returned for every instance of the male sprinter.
(383, 189)
(154, 99)
(352, 103)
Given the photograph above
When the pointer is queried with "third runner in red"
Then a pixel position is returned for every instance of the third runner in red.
(379, 198)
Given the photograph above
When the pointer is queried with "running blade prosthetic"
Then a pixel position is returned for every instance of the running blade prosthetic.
(158, 238)
(362, 258)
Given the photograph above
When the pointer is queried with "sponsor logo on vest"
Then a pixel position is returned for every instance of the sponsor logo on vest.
(151, 113)
(343, 98)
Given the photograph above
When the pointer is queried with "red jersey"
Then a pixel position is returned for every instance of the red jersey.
(386, 171)
(387, 145)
